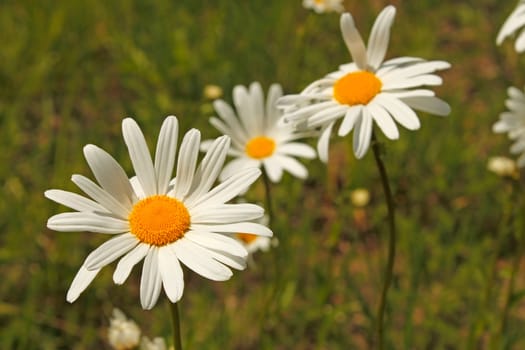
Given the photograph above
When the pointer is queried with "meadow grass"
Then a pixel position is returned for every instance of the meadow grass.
(69, 73)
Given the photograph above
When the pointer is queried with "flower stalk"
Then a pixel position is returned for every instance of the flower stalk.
(174, 309)
(389, 269)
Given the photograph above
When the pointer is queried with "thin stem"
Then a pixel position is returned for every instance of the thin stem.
(176, 325)
(389, 269)
(520, 236)
(268, 195)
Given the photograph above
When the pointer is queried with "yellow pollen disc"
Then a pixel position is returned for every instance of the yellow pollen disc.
(357, 88)
(159, 220)
(260, 147)
(247, 237)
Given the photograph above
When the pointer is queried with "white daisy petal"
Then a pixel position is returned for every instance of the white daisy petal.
(82, 280)
(273, 114)
(399, 111)
(151, 280)
(353, 41)
(230, 188)
(165, 152)
(171, 274)
(125, 265)
(226, 112)
(140, 156)
(323, 142)
(362, 134)
(188, 154)
(297, 149)
(200, 260)
(351, 117)
(326, 116)
(380, 36)
(237, 140)
(209, 169)
(110, 251)
(242, 101)
(217, 242)
(514, 22)
(237, 164)
(226, 213)
(109, 174)
(101, 196)
(429, 104)
(384, 121)
(74, 201)
(257, 105)
(292, 166)
(86, 221)
(230, 260)
(246, 227)
(273, 169)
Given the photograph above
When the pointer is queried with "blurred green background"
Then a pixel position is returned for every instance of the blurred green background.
(70, 71)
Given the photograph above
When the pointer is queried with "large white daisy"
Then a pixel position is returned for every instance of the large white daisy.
(512, 122)
(155, 218)
(257, 137)
(514, 23)
(368, 90)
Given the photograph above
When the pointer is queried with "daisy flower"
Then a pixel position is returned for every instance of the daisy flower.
(257, 137)
(514, 23)
(320, 6)
(513, 123)
(369, 90)
(123, 333)
(163, 221)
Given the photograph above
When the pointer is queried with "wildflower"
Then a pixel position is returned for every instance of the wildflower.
(155, 218)
(503, 166)
(212, 91)
(360, 197)
(320, 6)
(514, 23)
(369, 90)
(157, 343)
(513, 123)
(123, 333)
(258, 140)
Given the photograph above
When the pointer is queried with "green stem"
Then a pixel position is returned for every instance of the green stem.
(176, 325)
(389, 270)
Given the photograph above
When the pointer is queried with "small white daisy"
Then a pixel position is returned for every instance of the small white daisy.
(320, 6)
(503, 166)
(157, 219)
(123, 333)
(366, 91)
(514, 23)
(513, 123)
(257, 137)
(157, 343)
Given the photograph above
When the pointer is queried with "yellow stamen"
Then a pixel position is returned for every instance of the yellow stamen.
(247, 237)
(260, 147)
(159, 220)
(357, 88)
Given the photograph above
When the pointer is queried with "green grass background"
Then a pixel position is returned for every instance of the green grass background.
(71, 70)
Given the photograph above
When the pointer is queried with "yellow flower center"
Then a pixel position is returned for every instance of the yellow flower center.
(247, 237)
(159, 220)
(357, 88)
(260, 147)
